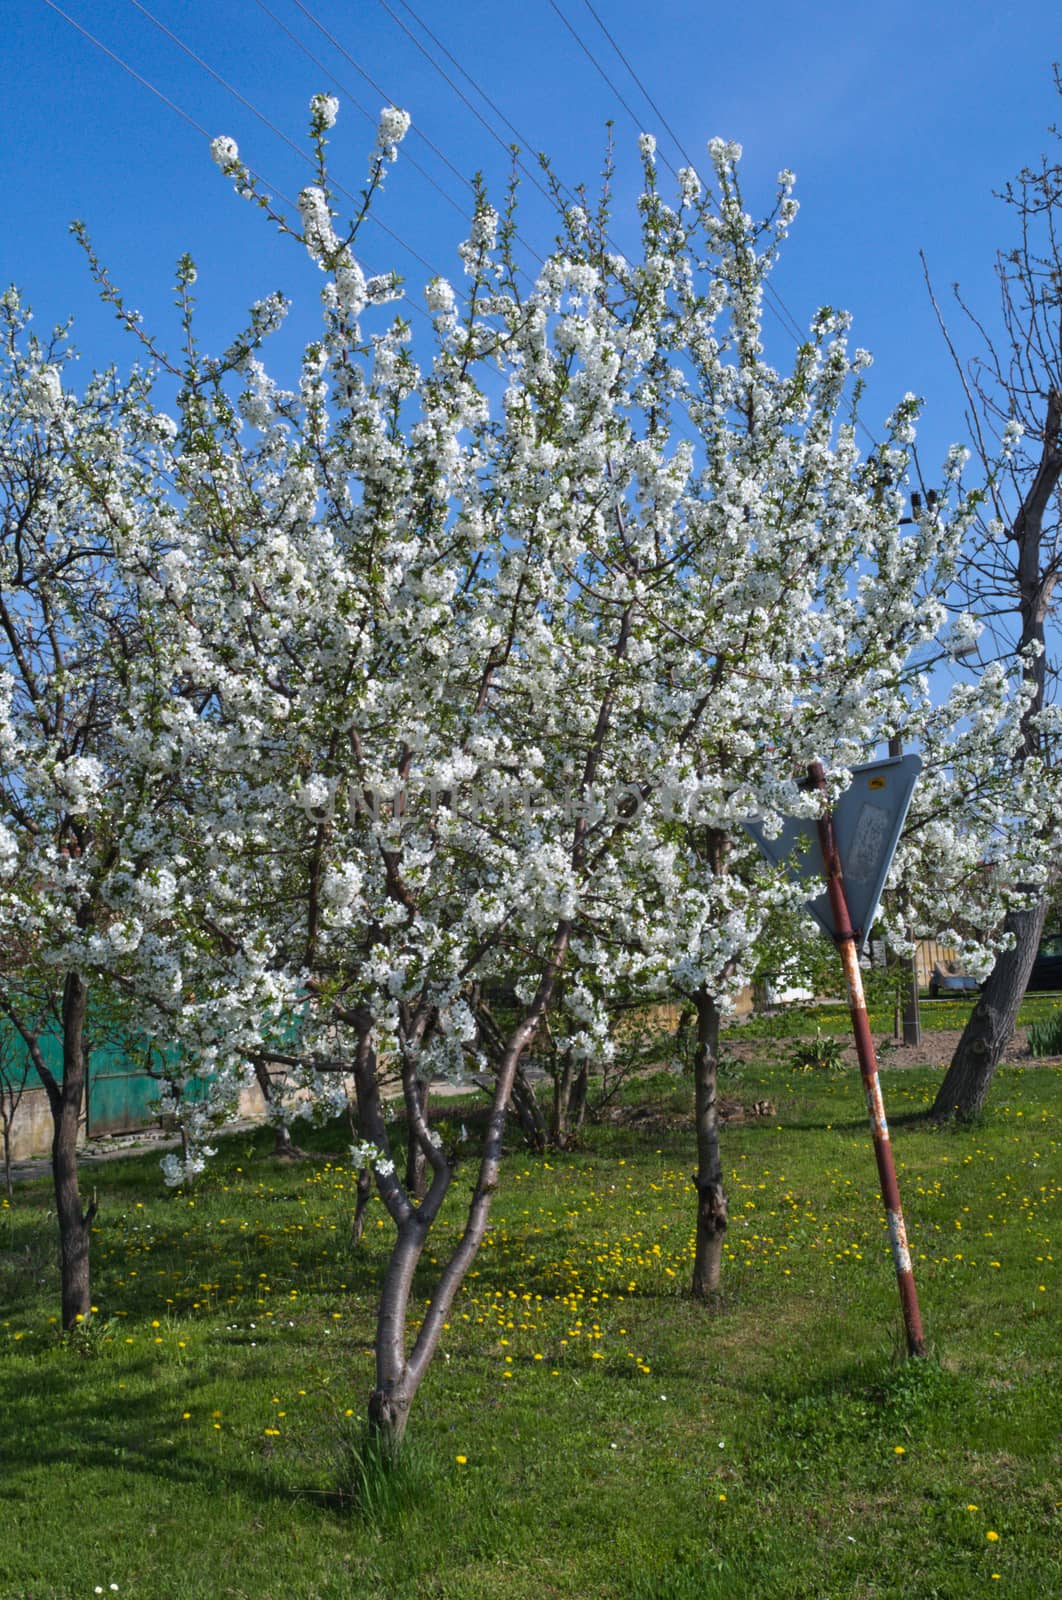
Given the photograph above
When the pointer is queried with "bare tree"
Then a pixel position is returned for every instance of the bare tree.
(1012, 568)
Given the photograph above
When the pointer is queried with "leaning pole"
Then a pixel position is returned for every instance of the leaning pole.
(845, 939)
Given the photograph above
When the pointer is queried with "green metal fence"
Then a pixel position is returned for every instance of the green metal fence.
(122, 1093)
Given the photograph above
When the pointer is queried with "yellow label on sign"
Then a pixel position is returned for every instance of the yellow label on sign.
(877, 783)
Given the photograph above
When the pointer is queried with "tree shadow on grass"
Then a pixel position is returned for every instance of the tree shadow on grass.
(55, 1426)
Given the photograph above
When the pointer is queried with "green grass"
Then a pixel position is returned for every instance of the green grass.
(203, 1439)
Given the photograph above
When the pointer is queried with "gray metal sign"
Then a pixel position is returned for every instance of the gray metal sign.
(867, 822)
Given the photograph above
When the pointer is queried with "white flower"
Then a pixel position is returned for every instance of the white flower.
(392, 129)
(317, 794)
(317, 222)
(226, 152)
(324, 109)
(647, 146)
(439, 296)
(44, 392)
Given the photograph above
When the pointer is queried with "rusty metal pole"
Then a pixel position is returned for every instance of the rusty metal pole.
(912, 1016)
(845, 939)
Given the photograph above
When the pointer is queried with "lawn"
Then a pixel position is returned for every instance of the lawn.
(586, 1430)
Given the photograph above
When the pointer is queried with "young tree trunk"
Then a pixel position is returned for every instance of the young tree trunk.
(9, 1188)
(529, 1112)
(711, 1196)
(67, 1100)
(962, 1095)
(361, 1204)
(563, 1075)
(577, 1104)
(398, 1376)
(284, 1145)
(416, 1160)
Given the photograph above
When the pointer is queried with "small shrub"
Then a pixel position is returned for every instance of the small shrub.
(823, 1053)
(1045, 1037)
(374, 1486)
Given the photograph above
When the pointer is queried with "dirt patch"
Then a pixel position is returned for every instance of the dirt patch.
(730, 1110)
(936, 1049)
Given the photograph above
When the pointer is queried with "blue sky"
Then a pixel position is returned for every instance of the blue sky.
(898, 120)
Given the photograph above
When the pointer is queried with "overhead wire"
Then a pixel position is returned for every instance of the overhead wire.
(358, 68)
(344, 52)
(495, 135)
(150, 87)
(452, 59)
(562, 189)
(778, 304)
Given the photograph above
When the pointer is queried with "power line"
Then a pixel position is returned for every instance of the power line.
(166, 101)
(190, 120)
(495, 135)
(498, 112)
(337, 45)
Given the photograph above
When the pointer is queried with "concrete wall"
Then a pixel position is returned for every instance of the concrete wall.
(31, 1128)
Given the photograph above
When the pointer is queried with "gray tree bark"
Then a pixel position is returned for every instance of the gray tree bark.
(961, 1097)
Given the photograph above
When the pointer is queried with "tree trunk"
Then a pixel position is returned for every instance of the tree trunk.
(577, 1104)
(416, 1160)
(562, 1093)
(284, 1146)
(529, 1112)
(9, 1188)
(388, 1414)
(711, 1196)
(398, 1376)
(962, 1095)
(361, 1204)
(75, 1225)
